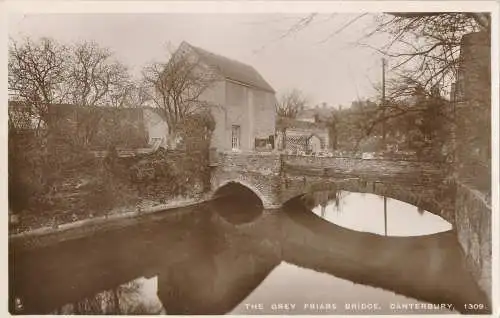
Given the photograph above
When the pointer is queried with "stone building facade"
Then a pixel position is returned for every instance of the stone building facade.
(243, 103)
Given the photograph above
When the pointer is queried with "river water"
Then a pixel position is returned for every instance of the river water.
(324, 253)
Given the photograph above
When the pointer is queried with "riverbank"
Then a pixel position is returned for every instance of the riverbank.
(101, 188)
(121, 217)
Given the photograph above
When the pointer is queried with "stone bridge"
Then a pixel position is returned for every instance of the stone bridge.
(277, 178)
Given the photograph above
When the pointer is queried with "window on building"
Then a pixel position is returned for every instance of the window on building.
(235, 137)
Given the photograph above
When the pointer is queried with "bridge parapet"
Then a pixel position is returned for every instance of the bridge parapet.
(263, 162)
(404, 172)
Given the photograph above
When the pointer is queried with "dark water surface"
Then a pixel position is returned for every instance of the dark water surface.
(328, 253)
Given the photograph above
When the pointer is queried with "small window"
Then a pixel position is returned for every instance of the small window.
(235, 137)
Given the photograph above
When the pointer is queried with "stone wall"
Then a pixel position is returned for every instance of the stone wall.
(277, 178)
(473, 155)
(166, 174)
(250, 161)
(257, 171)
(405, 172)
(473, 111)
(473, 228)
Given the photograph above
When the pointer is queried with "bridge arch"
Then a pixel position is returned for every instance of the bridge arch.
(242, 184)
(427, 197)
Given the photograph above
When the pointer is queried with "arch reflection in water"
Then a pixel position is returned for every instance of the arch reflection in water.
(236, 203)
(202, 261)
(372, 213)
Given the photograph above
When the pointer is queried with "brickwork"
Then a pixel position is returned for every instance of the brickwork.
(401, 172)
(257, 171)
(278, 178)
(251, 161)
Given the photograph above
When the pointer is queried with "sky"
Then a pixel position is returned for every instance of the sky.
(322, 63)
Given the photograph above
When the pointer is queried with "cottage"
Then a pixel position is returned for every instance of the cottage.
(298, 136)
(244, 103)
(302, 144)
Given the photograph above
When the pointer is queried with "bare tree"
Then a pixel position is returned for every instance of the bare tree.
(130, 94)
(481, 18)
(290, 104)
(37, 73)
(37, 77)
(175, 89)
(20, 118)
(425, 47)
(422, 45)
(96, 81)
(424, 50)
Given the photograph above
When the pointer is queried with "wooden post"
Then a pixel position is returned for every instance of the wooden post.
(383, 100)
(385, 215)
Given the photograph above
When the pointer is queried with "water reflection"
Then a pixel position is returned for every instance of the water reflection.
(203, 260)
(136, 297)
(375, 214)
(313, 293)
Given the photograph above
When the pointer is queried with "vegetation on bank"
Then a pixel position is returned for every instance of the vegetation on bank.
(47, 189)
(67, 101)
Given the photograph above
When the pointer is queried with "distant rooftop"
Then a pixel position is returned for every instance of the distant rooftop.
(323, 113)
(232, 69)
(282, 123)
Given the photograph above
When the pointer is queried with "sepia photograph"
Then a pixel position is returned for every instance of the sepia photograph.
(228, 158)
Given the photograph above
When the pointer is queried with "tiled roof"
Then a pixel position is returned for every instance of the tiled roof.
(232, 69)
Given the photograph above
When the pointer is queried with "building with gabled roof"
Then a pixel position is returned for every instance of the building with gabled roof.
(232, 70)
(244, 102)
